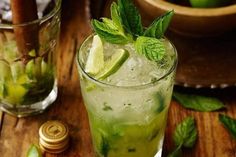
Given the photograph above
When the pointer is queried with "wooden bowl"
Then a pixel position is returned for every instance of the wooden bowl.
(197, 22)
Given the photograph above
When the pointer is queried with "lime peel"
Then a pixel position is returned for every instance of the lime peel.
(113, 64)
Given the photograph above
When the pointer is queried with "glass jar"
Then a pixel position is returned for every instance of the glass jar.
(28, 83)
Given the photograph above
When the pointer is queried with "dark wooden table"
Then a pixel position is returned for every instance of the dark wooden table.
(16, 135)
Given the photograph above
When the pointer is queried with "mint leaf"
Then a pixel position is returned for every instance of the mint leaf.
(115, 16)
(229, 123)
(176, 153)
(109, 23)
(198, 103)
(109, 32)
(160, 101)
(131, 18)
(34, 151)
(152, 48)
(159, 26)
(185, 133)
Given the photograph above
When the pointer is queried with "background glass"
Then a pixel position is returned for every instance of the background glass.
(28, 82)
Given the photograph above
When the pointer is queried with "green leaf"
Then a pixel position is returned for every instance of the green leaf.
(34, 151)
(185, 133)
(229, 123)
(159, 26)
(198, 103)
(131, 18)
(176, 153)
(115, 16)
(152, 48)
(106, 30)
(109, 23)
(160, 101)
(105, 147)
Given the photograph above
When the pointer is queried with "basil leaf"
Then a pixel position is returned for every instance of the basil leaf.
(229, 123)
(185, 133)
(34, 151)
(152, 48)
(131, 18)
(198, 103)
(108, 32)
(159, 26)
(176, 153)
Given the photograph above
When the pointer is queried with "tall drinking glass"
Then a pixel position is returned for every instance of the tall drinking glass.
(128, 110)
(28, 83)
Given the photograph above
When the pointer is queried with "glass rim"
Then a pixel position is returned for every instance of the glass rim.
(51, 14)
(104, 84)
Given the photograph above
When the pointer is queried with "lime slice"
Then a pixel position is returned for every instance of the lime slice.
(34, 151)
(113, 64)
(95, 61)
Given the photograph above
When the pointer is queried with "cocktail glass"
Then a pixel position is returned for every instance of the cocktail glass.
(28, 83)
(128, 120)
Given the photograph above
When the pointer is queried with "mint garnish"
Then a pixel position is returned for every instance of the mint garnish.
(159, 26)
(108, 31)
(152, 48)
(125, 26)
(115, 16)
(131, 18)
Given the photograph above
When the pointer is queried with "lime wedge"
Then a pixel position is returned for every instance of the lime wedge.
(113, 64)
(95, 61)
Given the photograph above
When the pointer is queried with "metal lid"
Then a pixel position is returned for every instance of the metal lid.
(53, 132)
(55, 146)
(53, 151)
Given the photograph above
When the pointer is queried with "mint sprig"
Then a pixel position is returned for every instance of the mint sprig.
(131, 18)
(115, 16)
(125, 26)
(159, 26)
(108, 31)
(185, 135)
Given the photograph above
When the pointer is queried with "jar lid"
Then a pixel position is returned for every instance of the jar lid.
(55, 146)
(53, 151)
(53, 131)
(54, 137)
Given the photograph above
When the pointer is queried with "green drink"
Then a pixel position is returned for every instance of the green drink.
(126, 92)
(128, 109)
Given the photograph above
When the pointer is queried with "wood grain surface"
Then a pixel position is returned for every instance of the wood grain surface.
(16, 135)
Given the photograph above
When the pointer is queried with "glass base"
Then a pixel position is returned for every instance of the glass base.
(33, 109)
